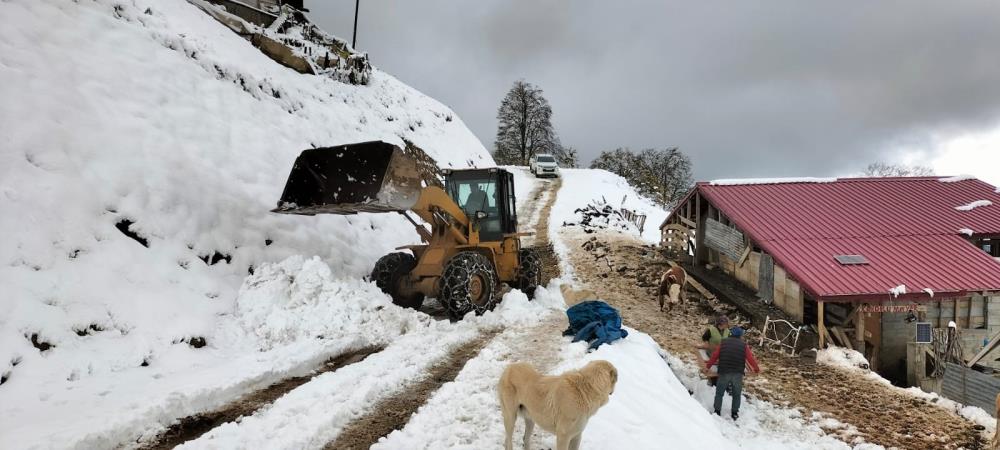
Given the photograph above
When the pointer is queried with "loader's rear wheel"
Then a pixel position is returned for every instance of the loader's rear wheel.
(389, 270)
(529, 272)
(469, 283)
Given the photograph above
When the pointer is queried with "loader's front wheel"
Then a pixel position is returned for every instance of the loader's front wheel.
(529, 272)
(388, 272)
(469, 283)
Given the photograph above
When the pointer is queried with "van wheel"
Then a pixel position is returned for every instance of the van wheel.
(529, 272)
(469, 283)
(388, 272)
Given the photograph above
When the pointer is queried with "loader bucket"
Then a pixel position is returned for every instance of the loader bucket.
(347, 179)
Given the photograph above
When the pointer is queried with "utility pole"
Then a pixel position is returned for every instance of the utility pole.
(354, 40)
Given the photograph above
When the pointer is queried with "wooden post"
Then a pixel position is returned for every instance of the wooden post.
(859, 330)
(699, 239)
(822, 325)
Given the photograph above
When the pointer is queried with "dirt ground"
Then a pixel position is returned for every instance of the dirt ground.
(624, 272)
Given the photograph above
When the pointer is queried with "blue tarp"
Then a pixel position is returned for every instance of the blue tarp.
(595, 322)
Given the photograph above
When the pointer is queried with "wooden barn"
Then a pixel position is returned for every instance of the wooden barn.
(863, 260)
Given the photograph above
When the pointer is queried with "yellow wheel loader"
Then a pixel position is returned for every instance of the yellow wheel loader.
(472, 245)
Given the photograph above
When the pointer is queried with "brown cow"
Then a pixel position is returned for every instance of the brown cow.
(672, 284)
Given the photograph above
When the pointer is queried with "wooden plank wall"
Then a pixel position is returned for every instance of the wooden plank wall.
(973, 312)
(787, 293)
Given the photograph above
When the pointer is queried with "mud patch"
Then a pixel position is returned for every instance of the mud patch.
(192, 427)
(542, 243)
(394, 412)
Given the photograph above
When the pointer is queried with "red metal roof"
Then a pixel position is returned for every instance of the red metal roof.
(908, 228)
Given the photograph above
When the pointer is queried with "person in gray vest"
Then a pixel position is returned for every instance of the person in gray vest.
(733, 355)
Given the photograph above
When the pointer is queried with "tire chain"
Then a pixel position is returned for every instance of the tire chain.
(529, 271)
(457, 278)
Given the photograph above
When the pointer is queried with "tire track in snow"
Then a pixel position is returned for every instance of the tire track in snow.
(473, 393)
(316, 412)
(193, 427)
(393, 413)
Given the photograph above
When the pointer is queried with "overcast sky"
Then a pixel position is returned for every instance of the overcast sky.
(789, 88)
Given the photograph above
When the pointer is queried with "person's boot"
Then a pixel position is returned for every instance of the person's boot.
(718, 413)
(736, 415)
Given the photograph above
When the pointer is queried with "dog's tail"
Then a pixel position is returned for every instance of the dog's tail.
(509, 382)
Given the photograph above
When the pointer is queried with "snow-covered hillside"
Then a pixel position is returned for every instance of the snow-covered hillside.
(149, 117)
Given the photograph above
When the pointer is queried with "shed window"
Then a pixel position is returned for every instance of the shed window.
(851, 260)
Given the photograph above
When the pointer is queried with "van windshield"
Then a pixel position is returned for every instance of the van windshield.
(546, 158)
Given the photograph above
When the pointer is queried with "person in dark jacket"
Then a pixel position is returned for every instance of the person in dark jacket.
(732, 356)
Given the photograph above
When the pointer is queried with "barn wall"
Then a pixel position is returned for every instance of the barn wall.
(896, 334)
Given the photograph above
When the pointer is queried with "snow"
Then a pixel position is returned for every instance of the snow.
(966, 231)
(974, 205)
(744, 181)
(305, 419)
(957, 178)
(898, 290)
(151, 111)
(640, 414)
(850, 360)
(929, 291)
(581, 187)
(764, 425)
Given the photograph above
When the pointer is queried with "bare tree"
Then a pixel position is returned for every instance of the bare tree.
(620, 161)
(882, 169)
(567, 157)
(525, 126)
(666, 175)
(662, 175)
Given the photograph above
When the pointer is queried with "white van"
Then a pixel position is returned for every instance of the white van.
(544, 165)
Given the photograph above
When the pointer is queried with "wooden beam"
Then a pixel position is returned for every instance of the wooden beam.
(687, 222)
(843, 337)
(745, 255)
(822, 325)
(708, 295)
(988, 348)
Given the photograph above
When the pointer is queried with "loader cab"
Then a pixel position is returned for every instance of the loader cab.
(490, 191)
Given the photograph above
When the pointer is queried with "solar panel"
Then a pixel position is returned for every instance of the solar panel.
(925, 333)
(850, 260)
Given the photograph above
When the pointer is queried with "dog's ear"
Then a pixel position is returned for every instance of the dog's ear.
(614, 374)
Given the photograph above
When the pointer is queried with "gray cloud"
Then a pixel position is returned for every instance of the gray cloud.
(786, 88)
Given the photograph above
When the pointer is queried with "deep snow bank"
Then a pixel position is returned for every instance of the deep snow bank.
(151, 112)
(585, 186)
(151, 118)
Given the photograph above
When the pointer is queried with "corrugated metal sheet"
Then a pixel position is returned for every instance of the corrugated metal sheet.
(948, 265)
(906, 227)
(857, 207)
(970, 387)
(723, 238)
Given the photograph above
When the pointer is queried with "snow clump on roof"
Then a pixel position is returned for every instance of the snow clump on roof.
(898, 290)
(956, 178)
(739, 181)
(974, 205)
